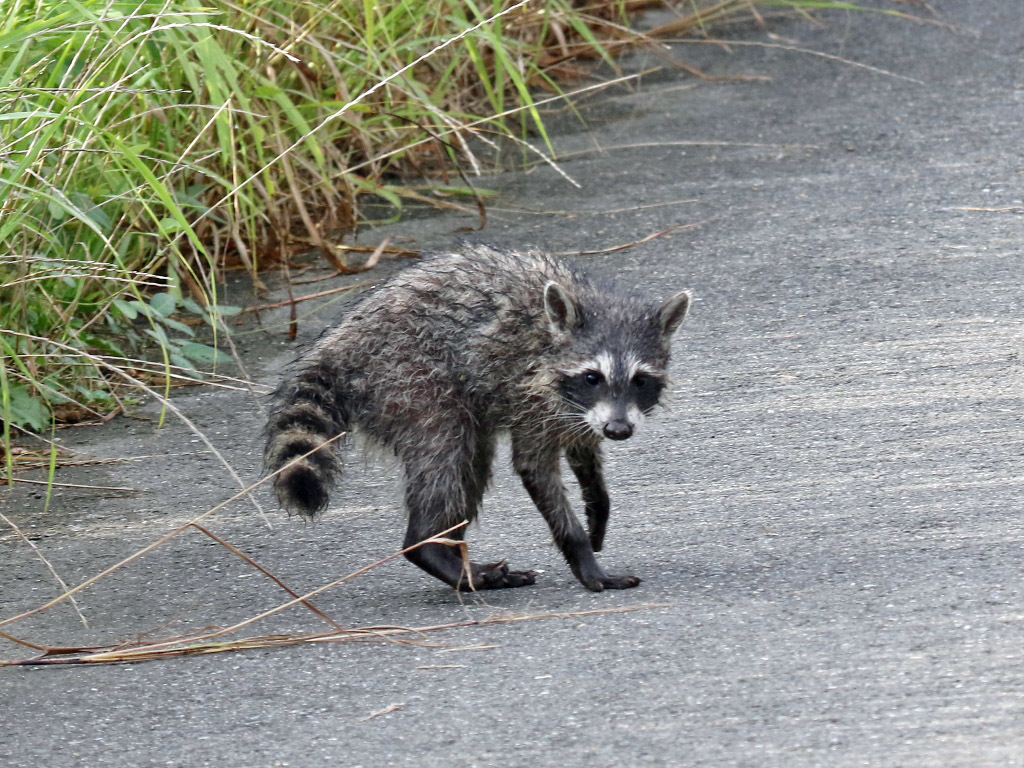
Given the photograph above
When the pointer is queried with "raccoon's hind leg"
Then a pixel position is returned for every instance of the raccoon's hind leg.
(443, 488)
(585, 462)
(537, 465)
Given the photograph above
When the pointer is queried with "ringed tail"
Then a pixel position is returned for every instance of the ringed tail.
(307, 414)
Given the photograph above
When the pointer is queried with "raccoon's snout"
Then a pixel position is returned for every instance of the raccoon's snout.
(618, 430)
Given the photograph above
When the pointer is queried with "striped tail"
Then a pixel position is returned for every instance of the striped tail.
(308, 413)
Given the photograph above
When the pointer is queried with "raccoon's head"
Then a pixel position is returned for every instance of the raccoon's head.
(619, 350)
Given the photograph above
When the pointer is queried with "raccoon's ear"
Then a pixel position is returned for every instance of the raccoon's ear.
(562, 311)
(673, 311)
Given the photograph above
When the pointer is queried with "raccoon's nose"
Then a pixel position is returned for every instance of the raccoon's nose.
(618, 430)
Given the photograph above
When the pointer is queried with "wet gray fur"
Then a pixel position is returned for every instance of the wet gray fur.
(443, 357)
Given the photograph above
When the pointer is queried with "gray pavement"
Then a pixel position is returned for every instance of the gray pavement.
(830, 510)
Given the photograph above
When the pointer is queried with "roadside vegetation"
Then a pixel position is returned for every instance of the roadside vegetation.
(146, 147)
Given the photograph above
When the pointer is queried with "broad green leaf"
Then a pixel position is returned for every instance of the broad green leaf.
(157, 334)
(182, 362)
(180, 327)
(201, 353)
(27, 410)
(163, 303)
(126, 308)
(191, 305)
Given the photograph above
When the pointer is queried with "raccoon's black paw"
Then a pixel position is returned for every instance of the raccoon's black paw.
(621, 582)
(498, 576)
(607, 581)
(519, 578)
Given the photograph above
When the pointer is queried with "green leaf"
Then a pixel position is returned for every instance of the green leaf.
(191, 305)
(163, 303)
(24, 115)
(139, 307)
(157, 333)
(126, 309)
(182, 362)
(201, 353)
(266, 91)
(57, 211)
(27, 410)
(93, 395)
(100, 218)
(389, 195)
(169, 226)
(102, 344)
(180, 327)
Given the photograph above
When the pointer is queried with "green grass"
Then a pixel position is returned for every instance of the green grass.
(147, 146)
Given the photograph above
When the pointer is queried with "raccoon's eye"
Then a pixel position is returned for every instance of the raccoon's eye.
(640, 381)
(593, 378)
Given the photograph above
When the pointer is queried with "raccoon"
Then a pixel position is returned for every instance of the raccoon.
(447, 355)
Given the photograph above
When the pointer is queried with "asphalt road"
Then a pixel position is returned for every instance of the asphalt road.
(829, 515)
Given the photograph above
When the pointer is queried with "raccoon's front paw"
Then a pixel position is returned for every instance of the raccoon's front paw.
(607, 581)
(498, 576)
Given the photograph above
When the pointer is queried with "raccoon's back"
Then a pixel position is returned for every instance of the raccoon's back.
(463, 313)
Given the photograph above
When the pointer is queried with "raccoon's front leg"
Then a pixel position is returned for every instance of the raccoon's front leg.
(538, 468)
(585, 462)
